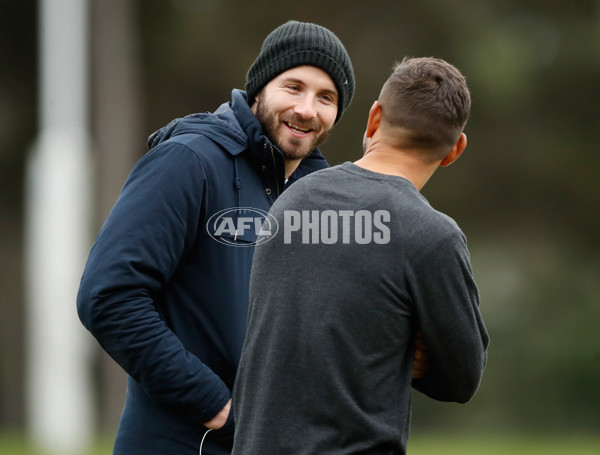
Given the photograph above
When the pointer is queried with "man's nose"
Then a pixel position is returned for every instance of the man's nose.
(305, 107)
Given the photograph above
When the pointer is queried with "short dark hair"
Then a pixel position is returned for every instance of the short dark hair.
(428, 101)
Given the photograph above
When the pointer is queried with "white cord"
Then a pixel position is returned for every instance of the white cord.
(202, 442)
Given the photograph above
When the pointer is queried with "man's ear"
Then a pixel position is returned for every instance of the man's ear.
(374, 119)
(456, 151)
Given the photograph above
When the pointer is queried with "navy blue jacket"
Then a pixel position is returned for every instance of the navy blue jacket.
(166, 300)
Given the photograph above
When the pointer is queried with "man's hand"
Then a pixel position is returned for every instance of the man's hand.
(219, 420)
(420, 363)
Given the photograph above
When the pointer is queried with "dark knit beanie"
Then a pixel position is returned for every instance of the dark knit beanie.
(300, 43)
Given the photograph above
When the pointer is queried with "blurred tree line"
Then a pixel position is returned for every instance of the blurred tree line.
(525, 192)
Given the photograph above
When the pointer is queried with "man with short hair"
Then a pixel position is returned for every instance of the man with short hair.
(327, 368)
(165, 287)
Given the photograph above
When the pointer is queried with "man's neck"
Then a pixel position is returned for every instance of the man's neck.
(387, 160)
(290, 167)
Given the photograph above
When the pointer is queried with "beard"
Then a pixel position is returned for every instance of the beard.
(292, 148)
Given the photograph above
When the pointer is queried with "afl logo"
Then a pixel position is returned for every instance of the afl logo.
(242, 226)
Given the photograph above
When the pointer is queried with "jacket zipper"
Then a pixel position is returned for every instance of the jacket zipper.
(275, 167)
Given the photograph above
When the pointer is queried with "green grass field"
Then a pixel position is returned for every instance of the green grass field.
(418, 445)
(11, 444)
(504, 445)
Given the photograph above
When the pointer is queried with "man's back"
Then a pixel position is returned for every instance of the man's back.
(327, 361)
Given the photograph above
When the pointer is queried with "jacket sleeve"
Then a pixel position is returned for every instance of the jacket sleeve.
(447, 310)
(150, 228)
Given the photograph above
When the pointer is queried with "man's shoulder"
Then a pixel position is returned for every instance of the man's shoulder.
(434, 232)
(191, 145)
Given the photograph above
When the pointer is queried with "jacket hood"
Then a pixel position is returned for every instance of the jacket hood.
(220, 126)
(236, 128)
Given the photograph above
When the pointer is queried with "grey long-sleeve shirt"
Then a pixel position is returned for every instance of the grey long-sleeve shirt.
(360, 263)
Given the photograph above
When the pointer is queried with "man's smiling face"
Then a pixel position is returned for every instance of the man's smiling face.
(297, 110)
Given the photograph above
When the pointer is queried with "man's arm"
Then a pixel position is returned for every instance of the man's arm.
(420, 360)
(447, 309)
(149, 230)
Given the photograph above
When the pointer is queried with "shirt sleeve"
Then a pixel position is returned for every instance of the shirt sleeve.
(446, 303)
(151, 227)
